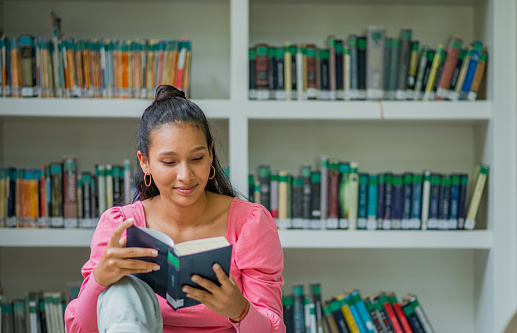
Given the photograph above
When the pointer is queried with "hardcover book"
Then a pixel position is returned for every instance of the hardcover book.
(178, 262)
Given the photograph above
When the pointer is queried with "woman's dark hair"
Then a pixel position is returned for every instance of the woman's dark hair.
(170, 106)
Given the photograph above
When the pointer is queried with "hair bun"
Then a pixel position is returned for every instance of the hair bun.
(167, 91)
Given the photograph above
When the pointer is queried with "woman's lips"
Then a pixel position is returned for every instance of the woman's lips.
(186, 190)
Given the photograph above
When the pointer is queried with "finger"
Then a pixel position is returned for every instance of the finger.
(138, 265)
(232, 280)
(199, 295)
(221, 275)
(138, 252)
(205, 283)
(117, 232)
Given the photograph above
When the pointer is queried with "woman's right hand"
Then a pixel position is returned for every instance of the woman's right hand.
(117, 260)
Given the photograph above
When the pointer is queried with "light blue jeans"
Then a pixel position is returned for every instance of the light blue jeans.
(129, 305)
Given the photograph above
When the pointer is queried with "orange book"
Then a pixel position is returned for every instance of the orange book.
(181, 64)
(86, 66)
(159, 64)
(125, 71)
(186, 76)
(151, 61)
(175, 53)
(16, 71)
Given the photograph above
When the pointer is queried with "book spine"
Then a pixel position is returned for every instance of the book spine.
(462, 201)
(455, 95)
(272, 71)
(333, 193)
(265, 192)
(371, 218)
(324, 74)
(262, 71)
(332, 67)
(312, 79)
(318, 307)
(287, 306)
(445, 203)
(349, 317)
(353, 196)
(426, 197)
(412, 318)
(383, 315)
(70, 192)
(419, 82)
(416, 202)
(399, 313)
(394, 68)
(406, 205)
(391, 313)
(316, 201)
(363, 311)
(339, 56)
(300, 72)
(387, 62)
(362, 201)
(307, 192)
(101, 188)
(379, 325)
(453, 52)
(127, 182)
(412, 69)
(280, 93)
(397, 203)
(355, 314)
(361, 67)
(252, 81)
(375, 63)
(437, 59)
(478, 76)
(380, 200)
(339, 316)
(434, 202)
(477, 194)
(421, 314)
(455, 196)
(117, 185)
(294, 78)
(347, 72)
(274, 194)
(404, 57)
(298, 309)
(388, 202)
(282, 199)
(456, 74)
(354, 66)
(56, 174)
(324, 187)
(344, 193)
(330, 320)
(471, 70)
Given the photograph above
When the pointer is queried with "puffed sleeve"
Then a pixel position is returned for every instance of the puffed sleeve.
(81, 313)
(259, 256)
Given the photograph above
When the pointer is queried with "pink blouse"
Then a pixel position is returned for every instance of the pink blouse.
(257, 263)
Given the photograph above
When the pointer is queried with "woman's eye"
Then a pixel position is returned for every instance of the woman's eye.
(197, 158)
(168, 162)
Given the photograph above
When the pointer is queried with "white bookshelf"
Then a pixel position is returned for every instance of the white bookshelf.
(467, 281)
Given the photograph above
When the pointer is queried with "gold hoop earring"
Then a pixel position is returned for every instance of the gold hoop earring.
(214, 173)
(150, 180)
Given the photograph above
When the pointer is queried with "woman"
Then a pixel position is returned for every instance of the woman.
(183, 193)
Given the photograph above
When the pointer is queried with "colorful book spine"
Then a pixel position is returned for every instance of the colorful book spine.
(331, 42)
(455, 94)
(384, 300)
(404, 58)
(394, 68)
(477, 194)
(426, 197)
(307, 192)
(419, 82)
(349, 317)
(424, 320)
(339, 56)
(324, 74)
(416, 202)
(411, 316)
(462, 201)
(354, 75)
(412, 69)
(274, 194)
(361, 67)
(437, 59)
(315, 201)
(312, 69)
(453, 52)
(344, 193)
(262, 71)
(332, 221)
(318, 307)
(264, 178)
(353, 196)
(280, 93)
(434, 202)
(70, 192)
(407, 199)
(383, 315)
(339, 316)
(298, 309)
(380, 200)
(294, 78)
(445, 203)
(379, 324)
(282, 220)
(376, 38)
(387, 62)
(477, 48)
(324, 187)
(287, 306)
(478, 76)
(371, 219)
(397, 203)
(455, 200)
(399, 312)
(252, 81)
(297, 203)
(347, 68)
(330, 320)
(355, 313)
(56, 175)
(362, 201)
(363, 311)
(388, 202)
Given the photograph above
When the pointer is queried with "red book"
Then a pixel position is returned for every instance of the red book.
(400, 313)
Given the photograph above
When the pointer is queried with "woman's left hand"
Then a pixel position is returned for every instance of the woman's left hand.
(226, 300)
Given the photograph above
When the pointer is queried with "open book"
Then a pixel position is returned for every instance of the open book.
(178, 262)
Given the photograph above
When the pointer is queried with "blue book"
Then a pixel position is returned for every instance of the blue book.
(380, 200)
(178, 262)
(335, 308)
(434, 202)
(445, 202)
(371, 216)
(355, 313)
(455, 200)
(406, 204)
(362, 201)
(388, 201)
(397, 202)
(416, 202)
(462, 206)
(363, 311)
(298, 309)
(477, 48)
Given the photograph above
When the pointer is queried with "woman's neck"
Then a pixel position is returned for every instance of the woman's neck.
(183, 217)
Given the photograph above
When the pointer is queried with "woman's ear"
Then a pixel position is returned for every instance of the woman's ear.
(211, 151)
(144, 162)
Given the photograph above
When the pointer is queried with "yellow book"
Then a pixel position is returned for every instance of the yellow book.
(481, 176)
(347, 313)
(287, 71)
(437, 60)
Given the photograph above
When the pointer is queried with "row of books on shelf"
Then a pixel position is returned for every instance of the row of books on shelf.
(58, 196)
(37, 312)
(351, 313)
(371, 67)
(338, 196)
(32, 66)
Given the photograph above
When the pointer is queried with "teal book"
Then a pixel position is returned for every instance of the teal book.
(179, 262)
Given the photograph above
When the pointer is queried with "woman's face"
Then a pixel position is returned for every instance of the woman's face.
(179, 162)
